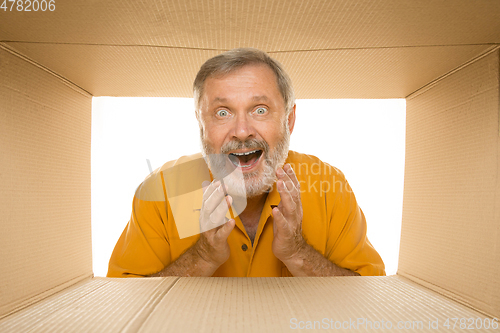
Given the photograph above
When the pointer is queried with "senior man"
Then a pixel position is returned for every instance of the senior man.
(299, 216)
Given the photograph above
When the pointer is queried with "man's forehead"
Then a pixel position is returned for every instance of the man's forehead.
(262, 78)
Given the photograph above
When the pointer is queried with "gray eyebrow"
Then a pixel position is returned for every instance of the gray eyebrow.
(255, 99)
(260, 98)
(219, 99)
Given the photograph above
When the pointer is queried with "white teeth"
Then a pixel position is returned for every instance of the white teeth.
(247, 153)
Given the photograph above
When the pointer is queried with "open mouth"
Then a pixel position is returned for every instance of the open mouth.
(245, 160)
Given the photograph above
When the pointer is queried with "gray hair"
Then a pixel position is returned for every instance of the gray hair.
(229, 61)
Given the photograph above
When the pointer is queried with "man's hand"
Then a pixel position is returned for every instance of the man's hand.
(212, 246)
(211, 250)
(288, 240)
(289, 246)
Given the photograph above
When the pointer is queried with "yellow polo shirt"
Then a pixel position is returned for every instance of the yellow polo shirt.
(332, 223)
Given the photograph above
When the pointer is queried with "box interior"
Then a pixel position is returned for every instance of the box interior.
(443, 57)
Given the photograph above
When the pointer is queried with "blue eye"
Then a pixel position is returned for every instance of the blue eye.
(261, 110)
(222, 113)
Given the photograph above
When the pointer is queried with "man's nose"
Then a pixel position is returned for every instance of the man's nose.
(243, 128)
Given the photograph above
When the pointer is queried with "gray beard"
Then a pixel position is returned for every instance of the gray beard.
(249, 184)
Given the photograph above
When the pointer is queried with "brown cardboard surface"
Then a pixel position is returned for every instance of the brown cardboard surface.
(369, 49)
(372, 73)
(277, 25)
(451, 233)
(353, 49)
(238, 305)
(153, 71)
(45, 174)
(122, 71)
(94, 305)
(268, 304)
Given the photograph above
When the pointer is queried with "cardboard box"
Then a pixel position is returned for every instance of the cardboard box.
(443, 57)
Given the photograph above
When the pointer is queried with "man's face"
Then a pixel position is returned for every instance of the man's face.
(242, 117)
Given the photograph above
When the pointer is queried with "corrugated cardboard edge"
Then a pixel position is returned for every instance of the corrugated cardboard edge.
(17, 306)
(498, 180)
(68, 83)
(431, 84)
(135, 323)
(454, 297)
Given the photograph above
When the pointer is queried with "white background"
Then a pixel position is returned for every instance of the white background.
(363, 138)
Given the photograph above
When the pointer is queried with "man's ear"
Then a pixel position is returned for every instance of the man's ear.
(197, 114)
(291, 119)
(198, 117)
(200, 125)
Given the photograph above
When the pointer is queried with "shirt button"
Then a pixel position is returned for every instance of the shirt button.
(244, 247)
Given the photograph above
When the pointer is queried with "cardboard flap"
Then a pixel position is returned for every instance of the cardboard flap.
(45, 231)
(332, 49)
(450, 233)
(242, 305)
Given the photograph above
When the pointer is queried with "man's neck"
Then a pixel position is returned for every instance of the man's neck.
(255, 205)
(251, 215)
